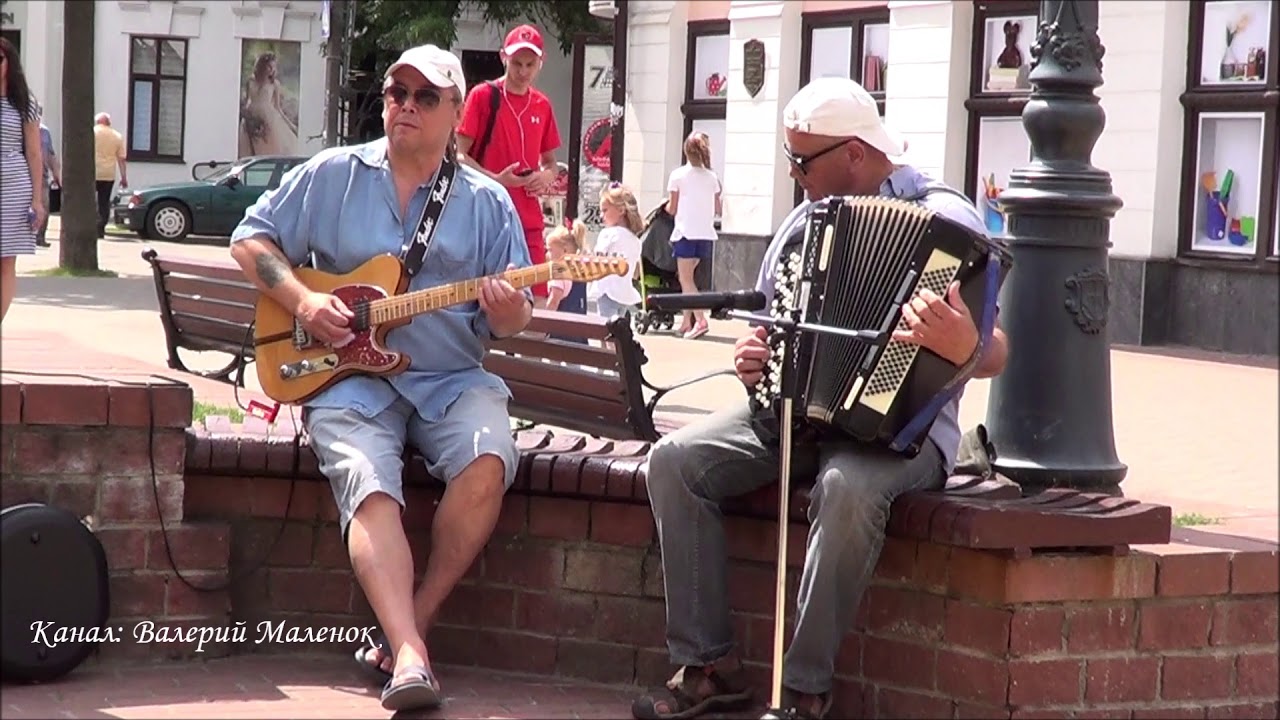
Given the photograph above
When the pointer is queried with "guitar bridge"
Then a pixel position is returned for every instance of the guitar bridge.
(295, 370)
(301, 338)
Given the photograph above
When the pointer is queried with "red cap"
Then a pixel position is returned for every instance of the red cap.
(521, 38)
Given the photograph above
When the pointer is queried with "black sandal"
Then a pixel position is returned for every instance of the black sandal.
(417, 689)
(681, 703)
(374, 670)
(796, 713)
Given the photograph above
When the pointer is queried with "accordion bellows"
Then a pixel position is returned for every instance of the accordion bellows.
(858, 260)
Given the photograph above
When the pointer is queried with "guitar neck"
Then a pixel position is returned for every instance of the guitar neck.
(399, 307)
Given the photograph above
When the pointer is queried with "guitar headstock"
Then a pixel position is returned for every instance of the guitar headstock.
(585, 268)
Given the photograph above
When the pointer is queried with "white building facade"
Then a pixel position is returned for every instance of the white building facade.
(1191, 117)
(173, 75)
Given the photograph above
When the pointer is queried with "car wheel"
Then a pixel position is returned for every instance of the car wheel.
(168, 220)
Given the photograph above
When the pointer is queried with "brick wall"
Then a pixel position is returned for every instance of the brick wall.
(573, 588)
(88, 447)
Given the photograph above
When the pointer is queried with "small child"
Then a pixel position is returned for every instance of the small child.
(566, 295)
(617, 294)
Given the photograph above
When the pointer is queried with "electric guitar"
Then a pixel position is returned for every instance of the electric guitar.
(294, 367)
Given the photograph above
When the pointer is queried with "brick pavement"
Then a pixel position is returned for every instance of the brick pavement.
(299, 687)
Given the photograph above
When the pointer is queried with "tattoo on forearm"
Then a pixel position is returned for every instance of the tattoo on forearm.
(271, 269)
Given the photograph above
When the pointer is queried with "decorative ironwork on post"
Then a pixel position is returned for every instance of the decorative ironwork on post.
(1049, 414)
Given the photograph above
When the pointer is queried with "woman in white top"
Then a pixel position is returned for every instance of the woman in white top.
(694, 203)
(617, 294)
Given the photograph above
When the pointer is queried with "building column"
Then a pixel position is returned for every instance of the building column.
(930, 45)
(655, 89)
(758, 191)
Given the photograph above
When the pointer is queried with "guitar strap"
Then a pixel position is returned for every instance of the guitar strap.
(415, 251)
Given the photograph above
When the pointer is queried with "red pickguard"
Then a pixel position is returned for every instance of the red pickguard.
(363, 352)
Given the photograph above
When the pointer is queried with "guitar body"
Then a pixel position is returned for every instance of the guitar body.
(293, 367)
(277, 334)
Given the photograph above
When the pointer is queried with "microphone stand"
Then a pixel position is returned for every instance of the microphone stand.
(790, 328)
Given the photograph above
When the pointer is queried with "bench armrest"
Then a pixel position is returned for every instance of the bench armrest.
(661, 391)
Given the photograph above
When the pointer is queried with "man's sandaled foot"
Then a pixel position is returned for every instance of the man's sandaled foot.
(692, 692)
(413, 688)
(375, 660)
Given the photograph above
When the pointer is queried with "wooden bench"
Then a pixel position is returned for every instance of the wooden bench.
(597, 388)
(205, 306)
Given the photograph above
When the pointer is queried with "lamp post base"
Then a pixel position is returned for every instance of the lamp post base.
(1034, 477)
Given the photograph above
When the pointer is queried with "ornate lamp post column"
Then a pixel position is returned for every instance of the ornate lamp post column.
(1049, 414)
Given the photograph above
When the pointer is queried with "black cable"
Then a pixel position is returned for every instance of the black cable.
(155, 480)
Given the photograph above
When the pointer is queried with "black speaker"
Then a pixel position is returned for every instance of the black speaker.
(54, 596)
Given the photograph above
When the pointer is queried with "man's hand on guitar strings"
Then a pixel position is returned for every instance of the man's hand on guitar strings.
(750, 354)
(327, 318)
(943, 326)
(501, 303)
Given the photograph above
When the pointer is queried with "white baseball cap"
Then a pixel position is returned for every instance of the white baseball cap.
(440, 67)
(840, 107)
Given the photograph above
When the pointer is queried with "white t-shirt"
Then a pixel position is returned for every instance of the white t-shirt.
(619, 240)
(696, 208)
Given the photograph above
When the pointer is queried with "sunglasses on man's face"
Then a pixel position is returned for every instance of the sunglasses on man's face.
(427, 98)
(801, 162)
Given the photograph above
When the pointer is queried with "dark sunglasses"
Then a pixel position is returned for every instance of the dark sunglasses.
(427, 98)
(801, 162)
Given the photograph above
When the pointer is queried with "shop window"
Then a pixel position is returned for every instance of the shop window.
(1003, 32)
(157, 97)
(1230, 200)
(846, 43)
(707, 86)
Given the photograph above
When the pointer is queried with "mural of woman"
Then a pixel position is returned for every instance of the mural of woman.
(265, 129)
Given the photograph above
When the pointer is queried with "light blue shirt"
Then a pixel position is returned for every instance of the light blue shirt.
(339, 209)
(905, 181)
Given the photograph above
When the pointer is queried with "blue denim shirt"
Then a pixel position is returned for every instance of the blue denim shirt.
(339, 209)
(905, 181)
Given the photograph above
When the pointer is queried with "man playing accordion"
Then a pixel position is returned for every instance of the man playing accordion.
(836, 145)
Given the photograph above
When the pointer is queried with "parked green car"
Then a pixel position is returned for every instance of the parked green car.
(213, 205)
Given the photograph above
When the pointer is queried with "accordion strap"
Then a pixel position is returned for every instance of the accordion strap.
(986, 327)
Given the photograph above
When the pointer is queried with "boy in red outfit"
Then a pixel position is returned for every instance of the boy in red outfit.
(509, 133)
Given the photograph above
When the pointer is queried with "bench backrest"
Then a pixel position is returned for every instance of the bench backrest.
(587, 387)
(205, 300)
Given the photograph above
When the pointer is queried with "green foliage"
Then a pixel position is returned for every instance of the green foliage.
(384, 28)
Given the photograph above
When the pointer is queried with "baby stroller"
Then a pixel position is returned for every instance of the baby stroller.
(658, 271)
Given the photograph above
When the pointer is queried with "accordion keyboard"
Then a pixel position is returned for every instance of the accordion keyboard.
(785, 294)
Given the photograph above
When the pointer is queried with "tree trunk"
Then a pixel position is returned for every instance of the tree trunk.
(79, 241)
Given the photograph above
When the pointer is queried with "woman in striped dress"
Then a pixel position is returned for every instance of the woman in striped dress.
(22, 207)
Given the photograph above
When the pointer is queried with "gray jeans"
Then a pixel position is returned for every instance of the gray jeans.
(693, 469)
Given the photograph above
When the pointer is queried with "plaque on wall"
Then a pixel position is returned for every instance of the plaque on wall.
(753, 67)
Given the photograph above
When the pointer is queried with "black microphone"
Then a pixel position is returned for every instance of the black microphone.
(715, 301)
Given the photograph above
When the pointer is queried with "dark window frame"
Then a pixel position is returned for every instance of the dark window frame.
(989, 104)
(1199, 99)
(699, 109)
(856, 19)
(156, 77)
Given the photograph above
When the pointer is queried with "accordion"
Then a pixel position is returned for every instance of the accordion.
(856, 262)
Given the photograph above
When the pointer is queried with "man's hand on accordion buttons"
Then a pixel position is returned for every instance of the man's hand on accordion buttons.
(943, 326)
(750, 354)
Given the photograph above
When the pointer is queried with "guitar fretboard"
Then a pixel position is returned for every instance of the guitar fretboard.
(424, 301)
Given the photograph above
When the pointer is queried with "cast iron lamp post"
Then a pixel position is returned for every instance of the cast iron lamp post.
(1049, 414)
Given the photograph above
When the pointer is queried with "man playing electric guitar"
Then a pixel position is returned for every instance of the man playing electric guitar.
(406, 195)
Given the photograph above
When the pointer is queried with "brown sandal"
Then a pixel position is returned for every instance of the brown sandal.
(678, 698)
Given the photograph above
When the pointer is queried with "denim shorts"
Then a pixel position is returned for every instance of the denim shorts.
(692, 249)
(363, 455)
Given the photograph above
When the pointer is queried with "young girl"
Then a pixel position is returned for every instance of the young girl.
(566, 295)
(694, 202)
(617, 294)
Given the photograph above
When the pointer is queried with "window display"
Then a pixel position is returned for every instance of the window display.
(875, 56)
(1228, 175)
(1003, 145)
(1007, 53)
(1235, 44)
(831, 52)
(711, 67)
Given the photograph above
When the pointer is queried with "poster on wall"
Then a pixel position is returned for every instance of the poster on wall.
(596, 132)
(269, 81)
